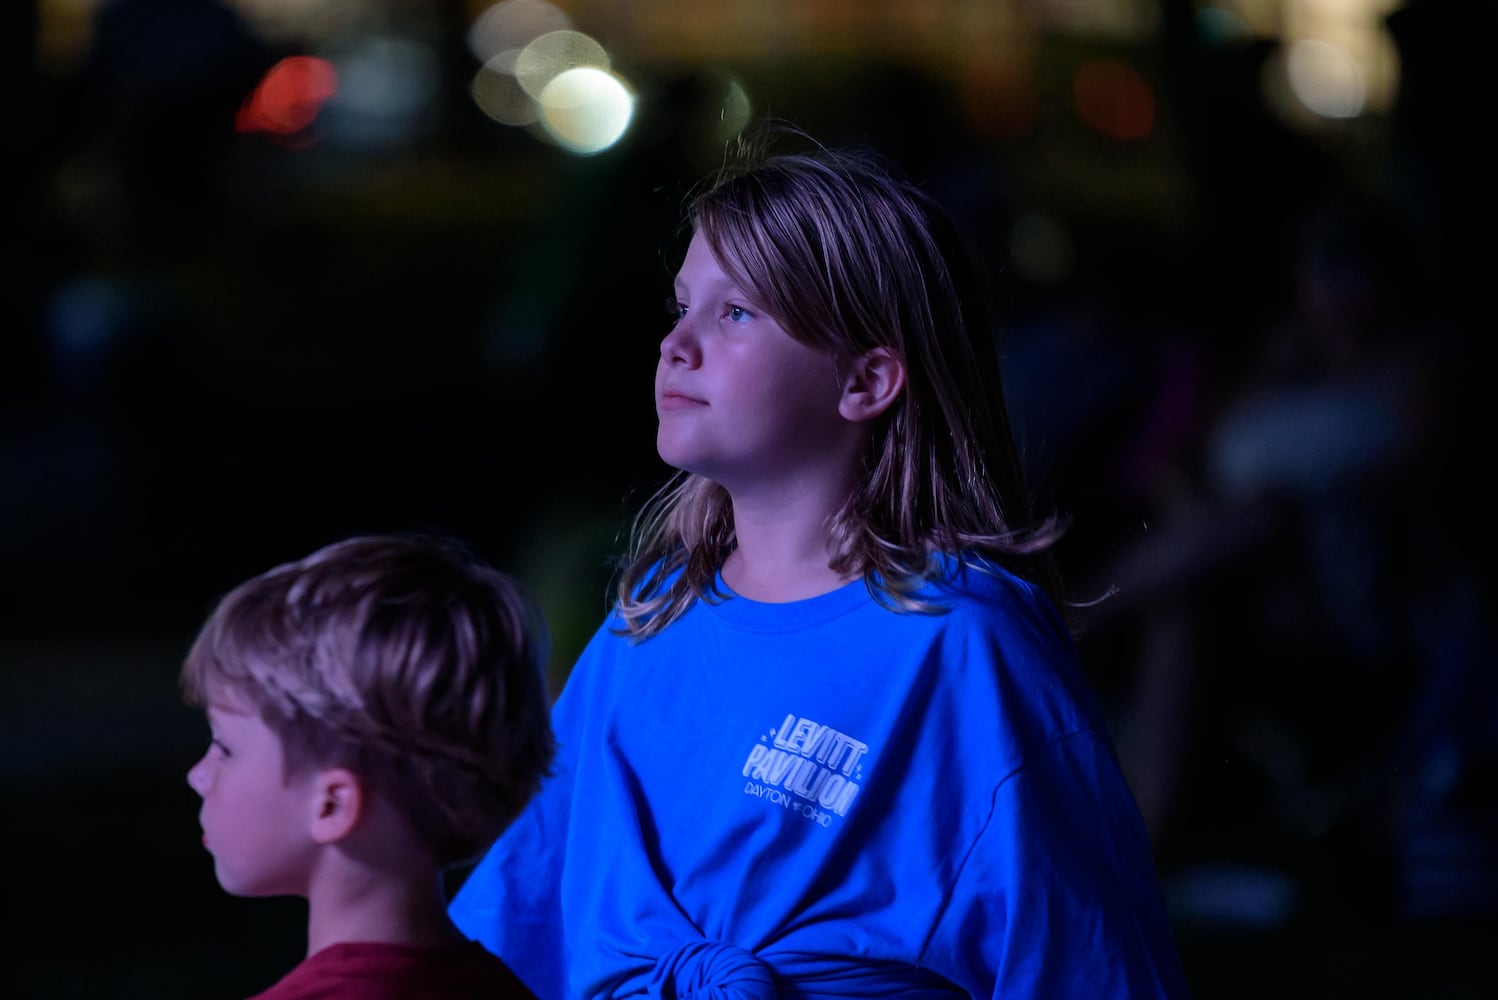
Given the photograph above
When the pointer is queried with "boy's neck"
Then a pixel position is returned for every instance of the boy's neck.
(410, 912)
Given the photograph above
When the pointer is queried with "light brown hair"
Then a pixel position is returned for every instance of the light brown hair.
(848, 255)
(405, 658)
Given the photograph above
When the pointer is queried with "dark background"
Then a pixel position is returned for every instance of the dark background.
(1246, 350)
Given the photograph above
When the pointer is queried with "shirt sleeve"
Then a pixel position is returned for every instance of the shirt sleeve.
(511, 902)
(1058, 896)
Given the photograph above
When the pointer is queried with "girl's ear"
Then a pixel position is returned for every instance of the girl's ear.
(873, 381)
(338, 802)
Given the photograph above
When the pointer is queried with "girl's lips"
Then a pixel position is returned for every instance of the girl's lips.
(677, 401)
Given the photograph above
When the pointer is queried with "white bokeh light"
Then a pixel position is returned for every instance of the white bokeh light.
(586, 109)
(1326, 78)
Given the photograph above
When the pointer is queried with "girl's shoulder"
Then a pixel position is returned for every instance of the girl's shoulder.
(972, 587)
(972, 577)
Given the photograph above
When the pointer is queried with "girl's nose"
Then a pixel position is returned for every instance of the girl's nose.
(680, 345)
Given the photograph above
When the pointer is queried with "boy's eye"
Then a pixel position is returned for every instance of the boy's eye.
(216, 745)
(675, 311)
(738, 314)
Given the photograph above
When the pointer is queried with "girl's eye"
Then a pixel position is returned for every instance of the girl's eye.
(217, 746)
(738, 314)
(675, 311)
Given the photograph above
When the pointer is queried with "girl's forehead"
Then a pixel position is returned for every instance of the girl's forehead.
(702, 262)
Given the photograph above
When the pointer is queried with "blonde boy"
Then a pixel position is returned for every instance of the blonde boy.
(378, 713)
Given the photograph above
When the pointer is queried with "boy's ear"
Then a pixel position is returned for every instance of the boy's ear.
(873, 381)
(338, 802)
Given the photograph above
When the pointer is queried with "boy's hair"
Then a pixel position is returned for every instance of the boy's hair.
(848, 255)
(405, 658)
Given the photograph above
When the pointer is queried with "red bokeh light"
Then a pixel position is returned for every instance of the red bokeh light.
(1114, 99)
(289, 97)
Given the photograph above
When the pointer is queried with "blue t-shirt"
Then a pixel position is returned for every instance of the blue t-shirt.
(828, 798)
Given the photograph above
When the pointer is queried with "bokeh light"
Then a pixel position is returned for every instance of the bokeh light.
(1326, 78)
(557, 81)
(554, 53)
(289, 97)
(1112, 98)
(390, 86)
(734, 113)
(499, 95)
(509, 26)
(586, 109)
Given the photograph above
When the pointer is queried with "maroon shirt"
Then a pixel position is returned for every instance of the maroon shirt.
(368, 970)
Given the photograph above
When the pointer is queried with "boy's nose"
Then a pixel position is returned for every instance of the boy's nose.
(197, 778)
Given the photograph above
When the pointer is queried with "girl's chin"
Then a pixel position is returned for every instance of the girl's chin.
(674, 455)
